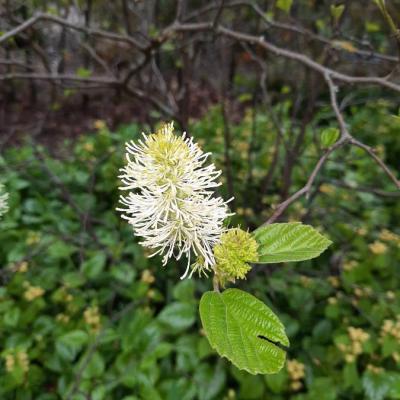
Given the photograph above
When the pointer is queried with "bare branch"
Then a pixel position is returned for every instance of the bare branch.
(307, 187)
(95, 32)
(372, 154)
(351, 139)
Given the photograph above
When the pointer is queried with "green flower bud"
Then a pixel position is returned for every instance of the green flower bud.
(236, 249)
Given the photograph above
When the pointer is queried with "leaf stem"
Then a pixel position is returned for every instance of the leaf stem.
(215, 283)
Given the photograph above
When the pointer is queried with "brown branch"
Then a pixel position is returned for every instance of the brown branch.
(351, 139)
(15, 63)
(60, 77)
(51, 18)
(372, 154)
(364, 189)
(227, 154)
(289, 27)
(307, 187)
(345, 138)
(292, 55)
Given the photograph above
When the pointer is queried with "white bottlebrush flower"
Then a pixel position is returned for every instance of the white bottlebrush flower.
(170, 201)
(3, 201)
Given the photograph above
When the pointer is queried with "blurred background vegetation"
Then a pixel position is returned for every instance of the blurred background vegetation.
(84, 314)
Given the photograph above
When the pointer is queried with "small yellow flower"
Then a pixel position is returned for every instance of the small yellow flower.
(23, 360)
(99, 124)
(374, 369)
(358, 292)
(378, 247)
(305, 281)
(296, 385)
(349, 358)
(10, 362)
(33, 292)
(296, 369)
(334, 281)
(147, 277)
(33, 238)
(69, 297)
(389, 236)
(361, 231)
(19, 358)
(23, 267)
(391, 327)
(342, 347)
(62, 318)
(332, 300)
(20, 267)
(390, 295)
(243, 148)
(350, 265)
(249, 212)
(150, 294)
(92, 317)
(240, 211)
(357, 334)
(326, 188)
(89, 147)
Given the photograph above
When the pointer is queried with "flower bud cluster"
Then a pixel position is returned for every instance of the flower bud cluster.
(92, 318)
(378, 247)
(17, 359)
(391, 328)
(236, 249)
(389, 236)
(357, 337)
(32, 292)
(296, 371)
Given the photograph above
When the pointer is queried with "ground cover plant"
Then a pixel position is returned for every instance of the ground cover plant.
(85, 312)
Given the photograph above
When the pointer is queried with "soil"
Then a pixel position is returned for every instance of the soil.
(49, 123)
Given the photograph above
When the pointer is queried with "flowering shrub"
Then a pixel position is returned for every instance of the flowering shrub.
(172, 207)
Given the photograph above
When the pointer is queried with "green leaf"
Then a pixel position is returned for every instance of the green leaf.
(177, 316)
(83, 72)
(289, 242)
(376, 386)
(278, 382)
(95, 367)
(11, 317)
(73, 279)
(93, 267)
(215, 378)
(350, 375)
(337, 11)
(184, 291)
(70, 344)
(284, 5)
(329, 136)
(243, 329)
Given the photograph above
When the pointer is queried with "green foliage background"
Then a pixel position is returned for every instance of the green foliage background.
(110, 323)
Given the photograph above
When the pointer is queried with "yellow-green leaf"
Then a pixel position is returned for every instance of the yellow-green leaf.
(337, 11)
(329, 136)
(286, 242)
(244, 330)
(284, 5)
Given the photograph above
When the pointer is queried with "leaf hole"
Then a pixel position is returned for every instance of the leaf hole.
(277, 344)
